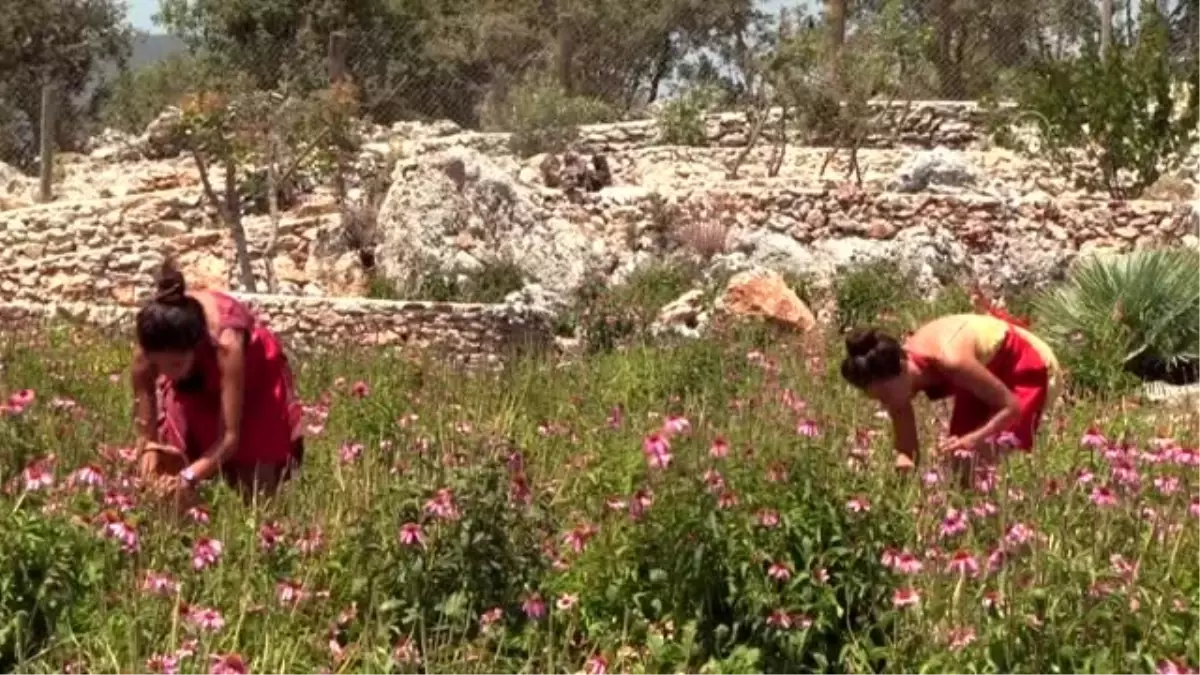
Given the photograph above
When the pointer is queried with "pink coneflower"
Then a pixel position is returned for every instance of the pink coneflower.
(411, 534)
(228, 664)
(657, 450)
(534, 607)
(1017, 535)
(1102, 495)
(615, 417)
(89, 475)
(858, 505)
(1084, 477)
(360, 389)
(1092, 438)
(907, 563)
(779, 619)
(808, 428)
(289, 592)
(931, 478)
(779, 571)
(954, 523)
(1125, 569)
(727, 499)
(820, 575)
(206, 552)
(157, 583)
(1186, 456)
(964, 563)
(115, 527)
(642, 500)
(205, 618)
(596, 665)
(714, 480)
(985, 479)
(675, 424)
(719, 448)
(270, 535)
(959, 638)
(19, 400)
(768, 518)
(905, 597)
(1194, 507)
(566, 602)
(38, 475)
(349, 452)
(984, 510)
(579, 536)
(1167, 485)
(491, 617)
(163, 663)
(442, 505)
(198, 514)
(1173, 667)
(1007, 440)
(121, 501)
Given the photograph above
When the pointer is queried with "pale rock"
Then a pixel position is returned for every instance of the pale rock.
(938, 167)
(163, 137)
(684, 316)
(765, 294)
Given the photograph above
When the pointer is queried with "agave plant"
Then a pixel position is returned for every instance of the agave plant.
(1150, 297)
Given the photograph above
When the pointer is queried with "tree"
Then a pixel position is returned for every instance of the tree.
(59, 42)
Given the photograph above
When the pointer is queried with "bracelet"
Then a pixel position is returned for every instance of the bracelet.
(188, 476)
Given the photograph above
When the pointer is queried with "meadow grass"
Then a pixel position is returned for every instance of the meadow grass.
(724, 505)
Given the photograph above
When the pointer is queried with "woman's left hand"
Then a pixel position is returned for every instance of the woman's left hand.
(956, 445)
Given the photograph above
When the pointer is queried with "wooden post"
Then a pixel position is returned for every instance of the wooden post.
(49, 102)
(1106, 26)
(337, 57)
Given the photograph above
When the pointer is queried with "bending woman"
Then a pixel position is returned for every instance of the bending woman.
(1001, 378)
(213, 392)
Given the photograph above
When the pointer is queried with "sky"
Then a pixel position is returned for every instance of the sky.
(142, 11)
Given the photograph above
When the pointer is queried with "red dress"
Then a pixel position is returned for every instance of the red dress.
(271, 411)
(1017, 364)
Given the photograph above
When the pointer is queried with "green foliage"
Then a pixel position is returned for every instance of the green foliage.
(48, 568)
(611, 316)
(871, 294)
(1139, 311)
(683, 119)
(489, 284)
(138, 96)
(544, 118)
(53, 42)
(1127, 112)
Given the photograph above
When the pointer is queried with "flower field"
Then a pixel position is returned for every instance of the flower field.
(721, 506)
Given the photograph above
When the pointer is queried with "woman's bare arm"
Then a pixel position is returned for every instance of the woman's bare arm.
(904, 431)
(231, 360)
(145, 398)
(960, 363)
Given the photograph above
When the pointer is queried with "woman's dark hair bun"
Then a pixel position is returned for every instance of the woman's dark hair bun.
(862, 341)
(169, 284)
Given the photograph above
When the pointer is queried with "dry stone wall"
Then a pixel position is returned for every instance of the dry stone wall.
(466, 333)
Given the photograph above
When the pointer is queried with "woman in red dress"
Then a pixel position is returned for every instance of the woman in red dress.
(1000, 376)
(213, 393)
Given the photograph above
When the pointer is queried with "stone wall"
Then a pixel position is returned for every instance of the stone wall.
(925, 124)
(466, 333)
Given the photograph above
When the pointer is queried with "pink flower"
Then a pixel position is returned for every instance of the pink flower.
(159, 584)
(406, 652)
(349, 452)
(1018, 534)
(905, 597)
(719, 448)
(727, 499)
(566, 602)
(1173, 667)
(779, 571)
(579, 536)
(780, 619)
(115, 527)
(206, 552)
(198, 514)
(984, 510)
(954, 523)
(996, 558)
(674, 424)
(1007, 439)
(228, 664)
(960, 638)
(442, 505)
(1102, 495)
(657, 449)
(270, 535)
(1092, 438)
(858, 505)
(1084, 477)
(888, 557)
(963, 563)
(38, 475)
(534, 607)
(768, 518)
(289, 592)
(360, 389)
(596, 665)
(491, 617)
(808, 428)
(1194, 507)
(121, 501)
(821, 575)
(931, 478)
(411, 534)
(1123, 567)
(642, 500)
(1167, 485)
(162, 663)
(205, 618)
(907, 563)
(19, 400)
(714, 480)
(1186, 456)
(89, 475)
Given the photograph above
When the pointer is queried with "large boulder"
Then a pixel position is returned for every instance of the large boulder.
(937, 167)
(454, 210)
(764, 293)
(164, 137)
(685, 315)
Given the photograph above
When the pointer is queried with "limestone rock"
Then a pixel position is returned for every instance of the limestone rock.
(684, 316)
(164, 137)
(763, 293)
(436, 197)
(940, 166)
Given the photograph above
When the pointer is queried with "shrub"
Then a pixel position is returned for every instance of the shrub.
(683, 120)
(612, 316)
(1124, 111)
(1142, 309)
(871, 293)
(136, 97)
(544, 118)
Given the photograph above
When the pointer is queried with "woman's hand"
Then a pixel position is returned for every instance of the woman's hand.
(904, 463)
(956, 446)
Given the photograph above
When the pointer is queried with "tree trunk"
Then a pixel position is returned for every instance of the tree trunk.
(1106, 26)
(836, 15)
(276, 216)
(949, 71)
(233, 209)
(661, 69)
(566, 48)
